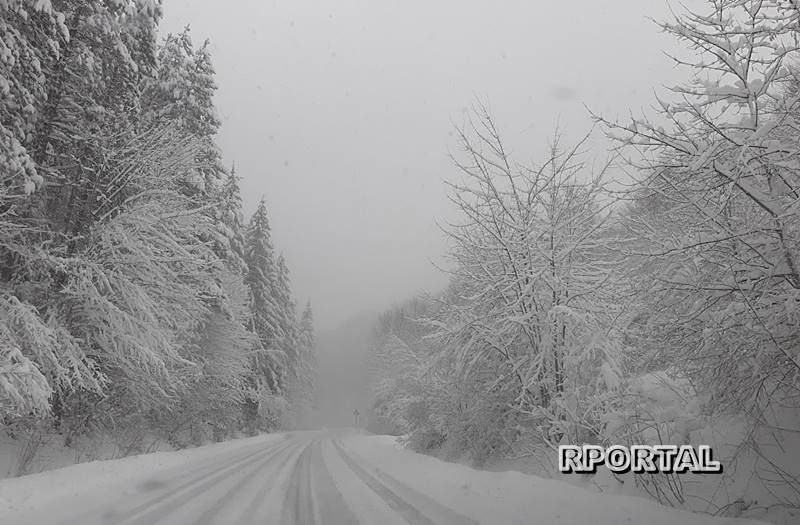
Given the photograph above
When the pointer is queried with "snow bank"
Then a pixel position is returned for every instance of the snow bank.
(512, 497)
(761, 463)
(53, 454)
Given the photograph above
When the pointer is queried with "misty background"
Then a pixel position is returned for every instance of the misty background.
(341, 115)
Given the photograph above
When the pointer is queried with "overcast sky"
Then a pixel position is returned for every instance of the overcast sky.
(340, 113)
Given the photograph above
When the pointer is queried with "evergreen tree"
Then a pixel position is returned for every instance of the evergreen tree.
(270, 365)
(306, 340)
(68, 97)
(182, 91)
(130, 298)
(230, 224)
(302, 382)
(287, 316)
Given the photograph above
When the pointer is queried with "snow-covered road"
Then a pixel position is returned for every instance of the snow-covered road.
(309, 478)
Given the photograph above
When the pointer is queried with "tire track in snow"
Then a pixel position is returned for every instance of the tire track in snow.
(415, 507)
(228, 497)
(163, 485)
(331, 501)
(272, 484)
(300, 505)
(312, 497)
(174, 498)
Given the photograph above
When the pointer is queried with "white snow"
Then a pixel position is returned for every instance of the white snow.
(513, 497)
(487, 497)
(39, 493)
(366, 505)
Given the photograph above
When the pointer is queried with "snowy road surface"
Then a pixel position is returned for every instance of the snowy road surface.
(310, 478)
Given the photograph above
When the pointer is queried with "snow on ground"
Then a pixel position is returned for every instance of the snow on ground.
(367, 506)
(370, 477)
(513, 497)
(754, 482)
(51, 453)
(38, 490)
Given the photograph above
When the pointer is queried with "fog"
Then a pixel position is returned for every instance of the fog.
(341, 115)
(343, 378)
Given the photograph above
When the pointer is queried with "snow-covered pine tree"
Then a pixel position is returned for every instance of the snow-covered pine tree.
(287, 317)
(92, 55)
(230, 224)
(29, 34)
(270, 365)
(301, 383)
(306, 343)
(121, 237)
(182, 91)
(70, 74)
(94, 82)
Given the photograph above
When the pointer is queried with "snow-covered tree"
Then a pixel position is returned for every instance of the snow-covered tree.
(724, 237)
(209, 406)
(182, 91)
(301, 383)
(262, 278)
(24, 47)
(288, 341)
(37, 359)
(396, 373)
(230, 227)
(139, 287)
(714, 231)
(123, 301)
(307, 350)
(535, 276)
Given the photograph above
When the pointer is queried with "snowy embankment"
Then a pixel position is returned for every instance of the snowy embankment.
(38, 490)
(513, 497)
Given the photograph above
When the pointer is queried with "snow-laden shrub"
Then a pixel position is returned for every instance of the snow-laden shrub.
(759, 457)
(656, 408)
(38, 358)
